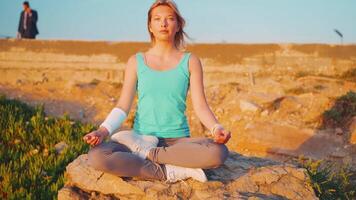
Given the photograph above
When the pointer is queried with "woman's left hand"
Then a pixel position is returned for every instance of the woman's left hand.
(222, 136)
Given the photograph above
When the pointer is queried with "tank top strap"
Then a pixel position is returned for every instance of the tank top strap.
(140, 62)
(185, 64)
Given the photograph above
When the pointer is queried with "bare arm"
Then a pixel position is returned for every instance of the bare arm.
(200, 104)
(128, 91)
(125, 101)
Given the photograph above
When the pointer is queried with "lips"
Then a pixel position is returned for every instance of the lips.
(163, 31)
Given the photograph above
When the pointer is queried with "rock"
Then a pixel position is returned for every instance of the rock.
(353, 137)
(338, 131)
(288, 104)
(60, 147)
(339, 153)
(249, 106)
(266, 138)
(353, 131)
(68, 193)
(239, 178)
(314, 105)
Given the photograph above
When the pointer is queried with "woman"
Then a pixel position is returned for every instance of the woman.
(159, 146)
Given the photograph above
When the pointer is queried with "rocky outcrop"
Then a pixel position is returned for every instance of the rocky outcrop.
(239, 178)
(352, 128)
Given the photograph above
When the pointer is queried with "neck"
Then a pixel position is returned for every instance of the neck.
(164, 48)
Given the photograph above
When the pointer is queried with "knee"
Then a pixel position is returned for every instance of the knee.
(95, 158)
(218, 155)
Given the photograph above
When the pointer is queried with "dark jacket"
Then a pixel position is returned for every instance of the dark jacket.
(31, 24)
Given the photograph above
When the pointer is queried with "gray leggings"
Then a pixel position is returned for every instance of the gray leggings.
(116, 158)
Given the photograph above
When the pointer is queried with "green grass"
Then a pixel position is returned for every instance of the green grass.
(30, 167)
(342, 111)
(328, 183)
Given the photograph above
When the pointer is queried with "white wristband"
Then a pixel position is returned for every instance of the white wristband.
(114, 120)
(213, 129)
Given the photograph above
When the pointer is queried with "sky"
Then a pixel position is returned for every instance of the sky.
(208, 21)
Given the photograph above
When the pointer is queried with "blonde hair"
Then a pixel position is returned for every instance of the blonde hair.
(179, 41)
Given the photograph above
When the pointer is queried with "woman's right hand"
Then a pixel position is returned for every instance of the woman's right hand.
(96, 137)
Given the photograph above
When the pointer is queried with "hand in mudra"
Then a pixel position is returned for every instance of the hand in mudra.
(222, 136)
(95, 137)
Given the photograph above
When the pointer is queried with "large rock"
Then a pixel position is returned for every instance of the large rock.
(239, 178)
(265, 138)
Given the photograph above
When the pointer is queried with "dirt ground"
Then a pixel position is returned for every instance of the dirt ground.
(271, 97)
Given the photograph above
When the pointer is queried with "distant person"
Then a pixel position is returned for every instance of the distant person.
(160, 145)
(28, 20)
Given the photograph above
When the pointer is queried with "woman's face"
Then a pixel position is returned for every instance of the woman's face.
(164, 23)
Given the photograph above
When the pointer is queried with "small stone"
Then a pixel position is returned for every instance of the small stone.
(93, 195)
(338, 131)
(43, 173)
(236, 118)
(19, 82)
(220, 111)
(60, 147)
(249, 106)
(17, 141)
(249, 126)
(34, 152)
(264, 113)
(81, 113)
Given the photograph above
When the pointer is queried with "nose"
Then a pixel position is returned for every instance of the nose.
(164, 23)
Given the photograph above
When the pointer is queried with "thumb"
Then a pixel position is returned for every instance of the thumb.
(87, 137)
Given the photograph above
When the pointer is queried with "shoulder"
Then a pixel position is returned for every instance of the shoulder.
(132, 62)
(132, 59)
(194, 63)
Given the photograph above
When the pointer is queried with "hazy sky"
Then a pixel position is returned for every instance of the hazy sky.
(238, 21)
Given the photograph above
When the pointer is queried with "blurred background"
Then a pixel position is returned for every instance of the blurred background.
(228, 21)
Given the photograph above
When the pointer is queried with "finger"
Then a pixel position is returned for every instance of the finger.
(92, 139)
(225, 132)
(89, 137)
(217, 137)
(220, 141)
(221, 138)
(86, 137)
(227, 139)
(97, 141)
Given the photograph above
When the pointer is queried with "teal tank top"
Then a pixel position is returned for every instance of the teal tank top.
(162, 100)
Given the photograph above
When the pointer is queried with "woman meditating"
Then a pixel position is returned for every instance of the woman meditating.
(159, 146)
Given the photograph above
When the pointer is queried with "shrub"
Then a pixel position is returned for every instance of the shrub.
(328, 183)
(30, 167)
